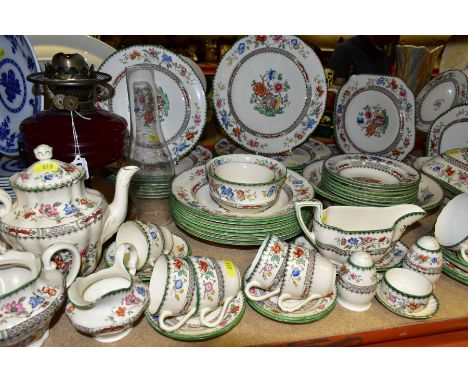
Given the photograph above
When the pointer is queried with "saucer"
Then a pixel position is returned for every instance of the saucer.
(453, 258)
(429, 311)
(193, 330)
(313, 311)
(454, 272)
(180, 249)
(112, 318)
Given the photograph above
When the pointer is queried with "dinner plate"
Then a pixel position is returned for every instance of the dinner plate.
(296, 159)
(269, 93)
(17, 98)
(191, 189)
(93, 50)
(442, 93)
(448, 132)
(8, 167)
(430, 194)
(375, 114)
(182, 108)
(193, 330)
(197, 70)
(454, 272)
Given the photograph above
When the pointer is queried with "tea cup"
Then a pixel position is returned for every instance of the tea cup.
(425, 257)
(405, 291)
(173, 290)
(267, 270)
(148, 239)
(218, 284)
(308, 276)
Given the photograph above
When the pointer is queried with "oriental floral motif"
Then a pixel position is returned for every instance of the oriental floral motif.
(270, 94)
(373, 120)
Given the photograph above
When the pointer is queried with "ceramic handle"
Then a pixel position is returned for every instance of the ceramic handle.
(173, 328)
(462, 252)
(418, 163)
(285, 297)
(76, 260)
(215, 323)
(299, 206)
(120, 253)
(256, 284)
(5, 199)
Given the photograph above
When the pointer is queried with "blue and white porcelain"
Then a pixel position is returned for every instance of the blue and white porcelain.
(17, 101)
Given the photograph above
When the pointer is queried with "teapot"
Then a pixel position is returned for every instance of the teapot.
(53, 205)
(31, 291)
(339, 231)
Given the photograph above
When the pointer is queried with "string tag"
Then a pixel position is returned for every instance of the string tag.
(79, 160)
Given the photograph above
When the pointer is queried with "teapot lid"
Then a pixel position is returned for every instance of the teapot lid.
(47, 173)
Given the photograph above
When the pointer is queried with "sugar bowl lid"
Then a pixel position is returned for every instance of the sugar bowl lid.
(47, 173)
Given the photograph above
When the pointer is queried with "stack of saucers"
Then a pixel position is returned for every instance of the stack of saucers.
(370, 180)
(8, 167)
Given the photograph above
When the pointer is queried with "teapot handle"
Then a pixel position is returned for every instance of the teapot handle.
(5, 199)
(298, 206)
(76, 260)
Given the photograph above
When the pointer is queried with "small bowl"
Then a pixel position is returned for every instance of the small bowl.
(245, 182)
(406, 291)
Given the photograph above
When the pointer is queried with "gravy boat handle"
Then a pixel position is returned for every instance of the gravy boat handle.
(299, 206)
(76, 259)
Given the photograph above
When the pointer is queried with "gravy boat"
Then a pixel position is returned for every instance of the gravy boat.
(339, 231)
(86, 291)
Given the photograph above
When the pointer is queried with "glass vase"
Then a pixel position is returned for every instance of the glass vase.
(147, 149)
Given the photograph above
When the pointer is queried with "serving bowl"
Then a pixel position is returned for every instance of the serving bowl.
(245, 182)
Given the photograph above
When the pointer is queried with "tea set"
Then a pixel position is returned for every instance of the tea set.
(57, 229)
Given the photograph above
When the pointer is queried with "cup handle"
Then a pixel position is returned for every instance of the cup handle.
(120, 256)
(299, 206)
(255, 284)
(212, 324)
(76, 260)
(462, 252)
(173, 328)
(284, 297)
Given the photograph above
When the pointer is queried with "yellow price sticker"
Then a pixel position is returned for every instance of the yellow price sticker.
(46, 167)
(324, 218)
(230, 268)
(2, 53)
(154, 138)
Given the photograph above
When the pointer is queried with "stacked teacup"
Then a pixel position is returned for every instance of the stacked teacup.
(185, 288)
(295, 274)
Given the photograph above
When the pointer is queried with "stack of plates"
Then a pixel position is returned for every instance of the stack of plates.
(151, 187)
(197, 213)
(8, 167)
(370, 180)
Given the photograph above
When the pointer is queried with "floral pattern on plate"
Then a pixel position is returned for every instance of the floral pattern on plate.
(17, 98)
(269, 95)
(193, 330)
(298, 68)
(379, 126)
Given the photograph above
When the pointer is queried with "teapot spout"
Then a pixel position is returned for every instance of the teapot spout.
(118, 207)
(410, 213)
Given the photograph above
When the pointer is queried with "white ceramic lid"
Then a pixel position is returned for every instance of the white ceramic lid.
(47, 173)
